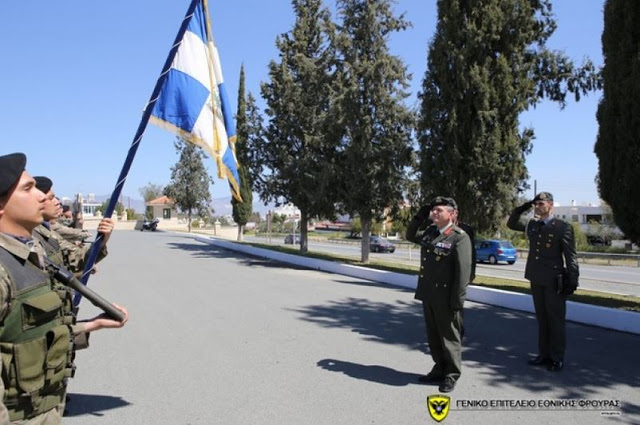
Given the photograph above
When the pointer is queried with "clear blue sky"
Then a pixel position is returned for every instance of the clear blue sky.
(77, 74)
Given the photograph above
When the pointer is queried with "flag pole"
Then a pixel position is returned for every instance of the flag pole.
(97, 244)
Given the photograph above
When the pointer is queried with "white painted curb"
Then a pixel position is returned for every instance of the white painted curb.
(604, 317)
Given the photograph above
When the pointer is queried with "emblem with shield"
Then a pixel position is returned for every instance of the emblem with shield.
(438, 406)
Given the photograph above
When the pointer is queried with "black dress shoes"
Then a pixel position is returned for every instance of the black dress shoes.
(540, 361)
(447, 385)
(555, 366)
(430, 378)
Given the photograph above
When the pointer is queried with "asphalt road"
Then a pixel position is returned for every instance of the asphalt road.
(218, 338)
(610, 279)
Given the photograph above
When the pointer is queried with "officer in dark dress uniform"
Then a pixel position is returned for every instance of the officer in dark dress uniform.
(445, 271)
(552, 269)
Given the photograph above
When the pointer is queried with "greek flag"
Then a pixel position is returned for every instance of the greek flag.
(193, 102)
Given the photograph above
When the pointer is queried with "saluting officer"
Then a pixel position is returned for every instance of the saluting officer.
(552, 279)
(445, 271)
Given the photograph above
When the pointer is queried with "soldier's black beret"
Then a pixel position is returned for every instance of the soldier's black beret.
(11, 168)
(443, 200)
(65, 208)
(43, 184)
(543, 196)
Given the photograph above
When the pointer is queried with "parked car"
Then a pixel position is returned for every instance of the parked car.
(495, 250)
(378, 244)
(289, 239)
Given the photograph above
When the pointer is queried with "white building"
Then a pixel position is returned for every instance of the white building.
(580, 214)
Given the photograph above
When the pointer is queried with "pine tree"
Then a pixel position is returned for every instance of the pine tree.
(242, 210)
(189, 186)
(618, 143)
(295, 156)
(376, 122)
(487, 64)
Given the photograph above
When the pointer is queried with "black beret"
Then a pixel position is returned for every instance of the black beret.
(443, 200)
(543, 196)
(43, 184)
(65, 208)
(11, 168)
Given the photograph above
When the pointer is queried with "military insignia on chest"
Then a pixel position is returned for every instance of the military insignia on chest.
(442, 248)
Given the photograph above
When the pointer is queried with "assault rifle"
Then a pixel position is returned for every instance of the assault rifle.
(66, 277)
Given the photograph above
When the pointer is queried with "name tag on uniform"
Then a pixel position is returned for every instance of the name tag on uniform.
(443, 245)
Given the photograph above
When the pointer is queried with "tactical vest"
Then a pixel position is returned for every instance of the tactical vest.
(36, 345)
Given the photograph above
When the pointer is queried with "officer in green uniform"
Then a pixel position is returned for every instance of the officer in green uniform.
(552, 269)
(36, 337)
(445, 271)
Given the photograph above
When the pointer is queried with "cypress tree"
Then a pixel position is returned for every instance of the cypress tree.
(375, 122)
(296, 152)
(618, 143)
(242, 210)
(488, 63)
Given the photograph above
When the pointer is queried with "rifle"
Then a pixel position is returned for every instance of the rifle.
(66, 277)
(77, 209)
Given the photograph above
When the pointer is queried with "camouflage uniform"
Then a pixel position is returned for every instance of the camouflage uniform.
(70, 234)
(73, 256)
(49, 390)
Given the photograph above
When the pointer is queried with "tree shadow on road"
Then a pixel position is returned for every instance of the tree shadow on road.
(201, 250)
(600, 363)
(390, 323)
(92, 404)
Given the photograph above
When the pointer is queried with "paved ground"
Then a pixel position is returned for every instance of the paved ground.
(218, 338)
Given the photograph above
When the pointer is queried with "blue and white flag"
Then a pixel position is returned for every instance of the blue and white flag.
(193, 102)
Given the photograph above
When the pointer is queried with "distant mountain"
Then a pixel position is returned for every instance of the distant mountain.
(222, 207)
(128, 202)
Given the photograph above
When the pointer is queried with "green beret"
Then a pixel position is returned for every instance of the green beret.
(11, 168)
(43, 184)
(543, 196)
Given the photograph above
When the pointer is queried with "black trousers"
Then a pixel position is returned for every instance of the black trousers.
(551, 309)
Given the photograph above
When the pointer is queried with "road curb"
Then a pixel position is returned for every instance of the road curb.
(604, 317)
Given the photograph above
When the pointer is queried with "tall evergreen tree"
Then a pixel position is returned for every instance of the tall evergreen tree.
(296, 153)
(242, 210)
(189, 186)
(618, 144)
(376, 122)
(488, 63)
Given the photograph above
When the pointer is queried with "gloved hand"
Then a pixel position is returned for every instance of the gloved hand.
(423, 213)
(522, 208)
(569, 289)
